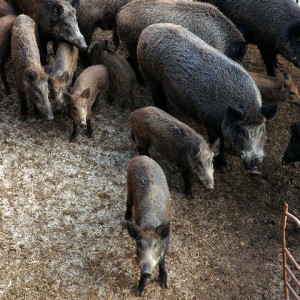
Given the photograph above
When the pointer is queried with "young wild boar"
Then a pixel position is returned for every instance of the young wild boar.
(148, 195)
(122, 79)
(177, 142)
(30, 77)
(274, 26)
(276, 89)
(203, 19)
(90, 83)
(56, 20)
(61, 72)
(292, 153)
(97, 13)
(201, 82)
(6, 24)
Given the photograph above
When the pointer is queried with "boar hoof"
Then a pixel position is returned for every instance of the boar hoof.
(24, 118)
(8, 92)
(189, 194)
(72, 139)
(163, 279)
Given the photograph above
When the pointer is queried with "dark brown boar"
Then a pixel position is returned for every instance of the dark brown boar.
(30, 77)
(148, 195)
(121, 76)
(6, 24)
(90, 83)
(175, 141)
(276, 89)
(61, 72)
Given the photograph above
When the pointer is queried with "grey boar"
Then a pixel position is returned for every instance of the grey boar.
(274, 26)
(90, 83)
(177, 142)
(203, 19)
(61, 72)
(6, 24)
(148, 195)
(30, 77)
(97, 13)
(276, 89)
(292, 153)
(56, 20)
(121, 76)
(201, 82)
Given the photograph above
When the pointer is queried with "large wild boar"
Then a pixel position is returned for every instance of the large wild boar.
(6, 24)
(292, 153)
(97, 13)
(148, 195)
(203, 19)
(272, 25)
(30, 77)
(276, 89)
(56, 20)
(61, 72)
(90, 83)
(122, 79)
(177, 142)
(201, 82)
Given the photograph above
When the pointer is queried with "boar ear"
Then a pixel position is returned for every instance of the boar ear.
(86, 93)
(295, 129)
(67, 97)
(133, 230)
(56, 11)
(287, 76)
(30, 75)
(65, 76)
(163, 230)
(215, 147)
(235, 114)
(269, 111)
(75, 4)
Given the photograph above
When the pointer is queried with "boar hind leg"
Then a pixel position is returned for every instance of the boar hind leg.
(132, 60)
(4, 80)
(158, 96)
(74, 133)
(269, 57)
(129, 203)
(89, 128)
(163, 277)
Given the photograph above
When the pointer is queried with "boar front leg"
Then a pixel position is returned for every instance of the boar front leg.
(187, 177)
(23, 102)
(74, 133)
(163, 277)
(89, 128)
(4, 80)
(269, 57)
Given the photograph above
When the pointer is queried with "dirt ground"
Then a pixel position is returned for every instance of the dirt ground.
(62, 206)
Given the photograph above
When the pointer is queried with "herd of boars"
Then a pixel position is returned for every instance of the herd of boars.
(190, 55)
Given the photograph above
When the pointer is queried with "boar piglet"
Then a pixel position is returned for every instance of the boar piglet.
(61, 72)
(122, 79)
(274, 89)
(176, 142)
(201, 82)
(6, 24)
(292, 153)
(149, 197)
(90, 83)
(31, 79)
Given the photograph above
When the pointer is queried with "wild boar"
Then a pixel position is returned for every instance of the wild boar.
(61, 72)
(175, 141)
(56, 20)
(292, 153)
(90, 83)
(203, 19)
(97, 13)
(201, 82)
(121, 76)
(276, 89)
(273, 26)
(30, 77)
(148, 195)
(6, 24)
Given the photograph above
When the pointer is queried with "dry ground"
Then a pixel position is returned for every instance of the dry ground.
(62, 207)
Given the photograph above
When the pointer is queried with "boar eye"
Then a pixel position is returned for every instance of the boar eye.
(74, 108)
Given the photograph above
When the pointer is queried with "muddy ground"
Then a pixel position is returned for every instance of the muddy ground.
(62, 207)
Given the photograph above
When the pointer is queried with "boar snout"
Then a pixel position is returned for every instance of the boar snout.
(80, 43)
(83, 125)
(253, 167)
(50, 117)
(146, 270)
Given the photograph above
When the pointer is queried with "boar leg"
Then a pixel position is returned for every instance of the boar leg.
(74, 133)
(23, 102)
(142, 283)
(128, 213)
(142, 146)
(132, 60)
(163, 277)
(4, 80)
(89, 128)
(158, 96)
(187, 177)
(269, 57)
